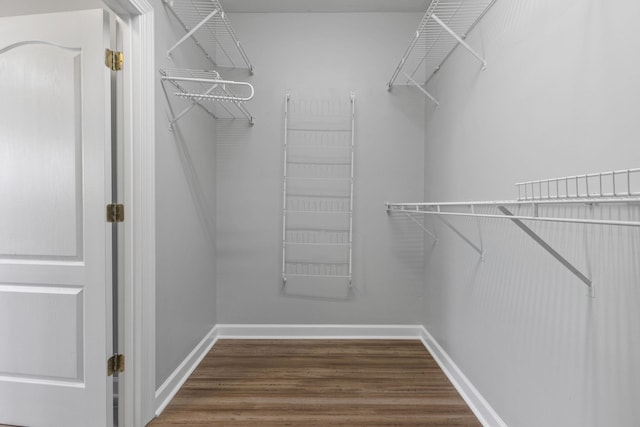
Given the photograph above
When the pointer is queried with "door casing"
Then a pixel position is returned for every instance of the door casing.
(138, 381)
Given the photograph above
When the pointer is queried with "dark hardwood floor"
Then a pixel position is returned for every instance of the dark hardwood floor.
(317, 383)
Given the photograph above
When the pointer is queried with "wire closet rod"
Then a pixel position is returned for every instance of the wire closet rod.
(213, 82)
(207, 85)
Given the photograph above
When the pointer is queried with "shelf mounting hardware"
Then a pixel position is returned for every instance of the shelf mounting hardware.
(423, 90)
(190, 107)
(473, 211)
(547, 247)
(192, 31)
(459, 40)
(475, 247)
(425, 229)
(205, 22)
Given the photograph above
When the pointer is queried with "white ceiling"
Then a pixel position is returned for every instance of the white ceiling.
(284, 6)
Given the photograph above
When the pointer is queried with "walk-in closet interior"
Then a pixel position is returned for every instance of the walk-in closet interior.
(527, 292)
(459, 174)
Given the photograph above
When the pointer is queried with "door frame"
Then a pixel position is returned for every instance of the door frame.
(138, 382)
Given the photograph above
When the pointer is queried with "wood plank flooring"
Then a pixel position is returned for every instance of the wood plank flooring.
(317, 383)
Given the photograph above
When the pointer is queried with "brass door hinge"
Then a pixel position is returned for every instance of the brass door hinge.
(115, 213)
(115, 364)
(113, 60)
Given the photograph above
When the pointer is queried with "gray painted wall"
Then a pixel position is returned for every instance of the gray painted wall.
(28, 7)
(559, 97)
(322, 53)
(185, 212)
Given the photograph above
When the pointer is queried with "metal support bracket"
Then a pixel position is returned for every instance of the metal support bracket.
(480, 250)
(459, 40)
(548, 248)
(423, 90)
(192, 31)
(194, 103)
(433, 235)
(473, 211)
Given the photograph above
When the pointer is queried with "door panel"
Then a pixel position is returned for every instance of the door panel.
(40, 349)
(41, 155)
(55, 244)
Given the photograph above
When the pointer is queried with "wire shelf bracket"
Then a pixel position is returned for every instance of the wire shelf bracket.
(425, 229)
(460, 40)
(191, 32)
(199, 86)
(614, 188)
(423, 90)
(431, 47)
(518, 222)
(206, 23)
(463, 237)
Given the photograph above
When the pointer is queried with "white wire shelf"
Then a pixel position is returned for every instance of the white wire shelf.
(448, 209)
(621, 187)
(612, 184)
(538, 201)
(443, 27)
(199, 86)
(206, 23)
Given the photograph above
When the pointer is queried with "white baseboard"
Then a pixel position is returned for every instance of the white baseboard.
(480, 407)
(172, 385)
(319, 331)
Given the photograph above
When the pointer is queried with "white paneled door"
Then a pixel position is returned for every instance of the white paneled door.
(55, 244)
